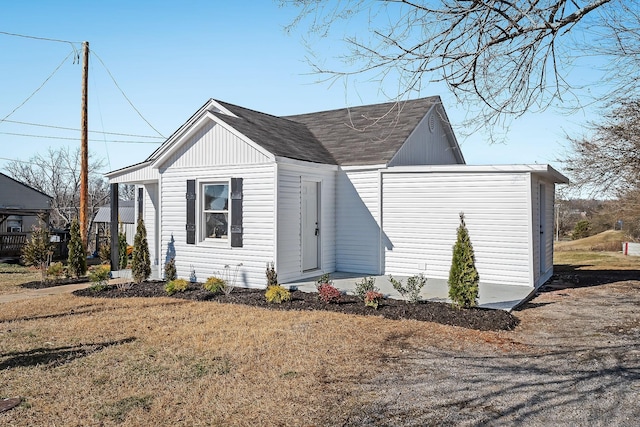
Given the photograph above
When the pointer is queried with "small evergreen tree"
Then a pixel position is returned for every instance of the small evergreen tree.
(140, 265)
(38, 250)
(581, 230)
(463, 276)
(77, 259)
(122, 251)
(170, 272)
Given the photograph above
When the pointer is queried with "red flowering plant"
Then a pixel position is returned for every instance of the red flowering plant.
(373, 299)
(326, 291)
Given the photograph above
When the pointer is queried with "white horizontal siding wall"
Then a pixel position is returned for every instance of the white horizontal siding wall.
(213, 145)
(358, 229)
(428, 145)
(207, 258)
(289, 258)
(421, 217)
(150, 217)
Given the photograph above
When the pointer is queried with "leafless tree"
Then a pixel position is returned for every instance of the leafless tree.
(57, 174)
(506, 57)
(608, 161)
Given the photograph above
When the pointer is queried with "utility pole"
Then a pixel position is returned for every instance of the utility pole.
(84, 148)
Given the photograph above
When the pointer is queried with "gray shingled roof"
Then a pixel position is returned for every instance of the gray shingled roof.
(279, 136)
(369, 134)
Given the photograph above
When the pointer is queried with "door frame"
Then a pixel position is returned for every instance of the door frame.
(542, 222)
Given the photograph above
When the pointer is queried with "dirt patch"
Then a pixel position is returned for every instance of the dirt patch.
(475, 318)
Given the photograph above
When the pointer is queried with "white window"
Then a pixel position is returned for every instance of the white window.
(215, 210)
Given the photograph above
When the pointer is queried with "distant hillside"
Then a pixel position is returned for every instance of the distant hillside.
(610, 240)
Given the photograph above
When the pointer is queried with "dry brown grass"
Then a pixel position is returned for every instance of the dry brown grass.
(591, 260)
(161, 362)
(610, 241)
(12, 276)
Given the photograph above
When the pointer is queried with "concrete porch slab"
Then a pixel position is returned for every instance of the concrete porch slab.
(499, 297)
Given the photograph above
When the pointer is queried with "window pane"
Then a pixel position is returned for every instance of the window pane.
(216, 225)
(216, 197)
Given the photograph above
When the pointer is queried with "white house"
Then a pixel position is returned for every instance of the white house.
(374, 190)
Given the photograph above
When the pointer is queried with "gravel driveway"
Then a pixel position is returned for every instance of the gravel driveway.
(574, 360)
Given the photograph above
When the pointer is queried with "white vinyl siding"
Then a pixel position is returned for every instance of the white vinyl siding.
(426, 146)
(143, 173)
(290, 178)
(150, 217)
(212, 145)
(421, 217)
(358, 229)
(208, 258)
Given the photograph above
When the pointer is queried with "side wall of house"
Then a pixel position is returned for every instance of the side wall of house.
(431, 143)
(289, 234)
(208, 257)
(421, 217)
(357, 221)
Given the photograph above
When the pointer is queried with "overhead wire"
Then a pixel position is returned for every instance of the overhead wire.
(75, 138)
(125, 96)
(133, 135)
(37, 90)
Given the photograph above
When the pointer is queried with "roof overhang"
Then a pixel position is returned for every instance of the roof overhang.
(546, 171)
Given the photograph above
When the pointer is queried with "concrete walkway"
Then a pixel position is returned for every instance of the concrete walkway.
(499, 297)
(26, 293)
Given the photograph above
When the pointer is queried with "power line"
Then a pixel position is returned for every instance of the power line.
(76, 129)
(125, 96)
(38, 38)
(75, 139)
(38, 89)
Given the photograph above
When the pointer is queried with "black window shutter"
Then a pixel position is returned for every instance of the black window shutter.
(191, 211)
(140, 201)
(236, 212)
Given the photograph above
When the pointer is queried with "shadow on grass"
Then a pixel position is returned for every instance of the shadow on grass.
(571, 276)
(56, 356)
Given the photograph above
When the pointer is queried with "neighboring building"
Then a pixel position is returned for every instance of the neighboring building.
(373, 190)
(126, 221)
(21, 208)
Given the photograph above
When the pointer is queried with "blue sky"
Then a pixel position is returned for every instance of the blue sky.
(169, 58)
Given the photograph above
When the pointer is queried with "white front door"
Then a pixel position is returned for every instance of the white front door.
(310, 225)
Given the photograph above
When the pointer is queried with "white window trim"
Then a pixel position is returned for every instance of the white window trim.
(200, 213)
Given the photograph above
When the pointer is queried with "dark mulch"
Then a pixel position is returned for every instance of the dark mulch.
(475, 318)
(51, 283)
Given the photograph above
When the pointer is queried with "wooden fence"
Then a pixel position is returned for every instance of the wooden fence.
(11, 244)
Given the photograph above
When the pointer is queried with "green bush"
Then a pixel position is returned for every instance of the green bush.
(581, 230)
(77, 260)
(178, 285)
(414, 285)
(38, 250)
(56, 270)
(170, 272)
(99, 275)
(105, 252)
(141, 263)
(214, 284)
(366, 285)
(277, 294)
(463, 276)
(123, 256)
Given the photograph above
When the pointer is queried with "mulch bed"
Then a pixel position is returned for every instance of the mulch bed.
(52, 283)
(475, 318)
